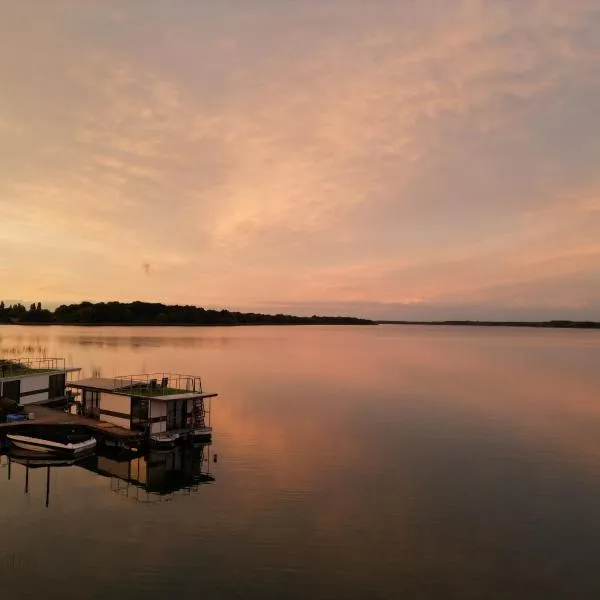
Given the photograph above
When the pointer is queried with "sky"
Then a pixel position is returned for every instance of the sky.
(395, 159)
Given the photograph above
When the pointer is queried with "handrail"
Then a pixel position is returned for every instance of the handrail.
(14, 367)
(160, 383)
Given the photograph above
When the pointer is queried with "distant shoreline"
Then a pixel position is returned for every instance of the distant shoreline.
(130, 314)
(535, 324)
(361, 323)
(521, 324)
(155, 314)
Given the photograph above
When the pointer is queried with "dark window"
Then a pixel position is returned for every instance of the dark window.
(57, 386)
(139, 413)
(176, 414)
(12, 390)
(171, 416)
(91, 404)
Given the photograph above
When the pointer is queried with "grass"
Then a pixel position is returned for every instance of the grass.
(20, 370)
(143, 391)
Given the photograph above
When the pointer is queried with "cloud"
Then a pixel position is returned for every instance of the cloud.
(404, 153)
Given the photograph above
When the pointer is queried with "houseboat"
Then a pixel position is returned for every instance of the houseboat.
(34, 380)
(164, 407)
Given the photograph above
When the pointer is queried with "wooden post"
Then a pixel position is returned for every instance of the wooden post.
(48, 487)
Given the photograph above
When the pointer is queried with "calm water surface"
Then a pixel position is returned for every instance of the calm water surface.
(384, 462)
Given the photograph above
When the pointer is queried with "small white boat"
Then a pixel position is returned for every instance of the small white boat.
(164, 440)
(55, 441)
(202, 433)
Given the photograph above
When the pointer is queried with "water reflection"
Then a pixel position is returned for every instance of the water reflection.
(155, 476)
(149, 341)
(361, 463)
(152, 477)
(28, 463)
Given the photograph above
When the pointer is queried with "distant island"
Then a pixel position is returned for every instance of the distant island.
(150, 313)
(559, 324)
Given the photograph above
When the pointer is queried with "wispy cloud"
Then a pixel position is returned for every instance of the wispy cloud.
(404, 154)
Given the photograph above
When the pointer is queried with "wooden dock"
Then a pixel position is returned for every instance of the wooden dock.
(102, 430)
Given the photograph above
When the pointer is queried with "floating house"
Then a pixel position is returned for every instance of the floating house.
(34, 380)
(164, 407)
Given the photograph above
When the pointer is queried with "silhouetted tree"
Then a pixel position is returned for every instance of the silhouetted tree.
(154, 313)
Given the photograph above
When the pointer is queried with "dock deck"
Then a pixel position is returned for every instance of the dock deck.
(50, 416)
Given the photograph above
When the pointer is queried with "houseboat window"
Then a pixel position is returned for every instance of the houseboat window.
(57, 386)
(139, 413)
(91, 404)
(176, 415)
(12, 390)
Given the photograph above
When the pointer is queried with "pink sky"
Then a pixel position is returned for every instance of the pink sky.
(398, 159)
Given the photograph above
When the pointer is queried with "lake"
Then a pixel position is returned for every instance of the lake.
(351, 462)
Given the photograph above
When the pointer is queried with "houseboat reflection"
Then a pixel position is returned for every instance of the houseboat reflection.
(156, 475)
(27, 462)
(152, 477)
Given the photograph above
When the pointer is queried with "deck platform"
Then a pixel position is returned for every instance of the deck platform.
(49, 416)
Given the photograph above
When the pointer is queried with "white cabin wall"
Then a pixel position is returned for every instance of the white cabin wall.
(116, 403)
(158, 409)
(160, 427)
(33, 399)
(31, 383)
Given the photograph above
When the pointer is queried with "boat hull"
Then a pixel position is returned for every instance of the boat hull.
(42, 446)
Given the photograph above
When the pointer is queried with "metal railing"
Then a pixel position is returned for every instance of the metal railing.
(159, 384)
(16, 367)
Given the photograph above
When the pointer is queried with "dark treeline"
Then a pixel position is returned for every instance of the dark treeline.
(149, 313)
(561, 324)
(19, 313)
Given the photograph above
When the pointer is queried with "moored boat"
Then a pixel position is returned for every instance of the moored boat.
(202, 433)
(65, 441)
(164, 440)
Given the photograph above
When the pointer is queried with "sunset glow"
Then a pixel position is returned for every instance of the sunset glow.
(387, 159)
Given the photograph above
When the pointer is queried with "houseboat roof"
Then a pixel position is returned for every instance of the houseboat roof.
(17, 368)
(21, 374)
(129, 387)
(102, 384)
